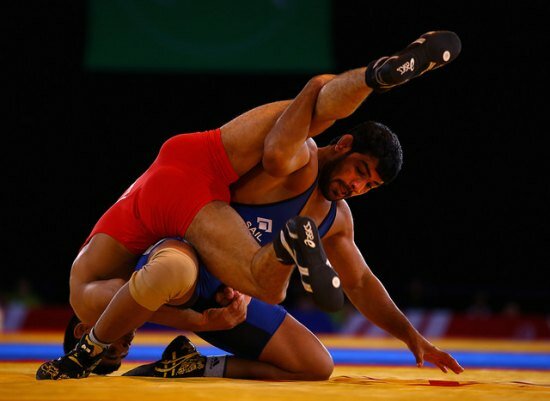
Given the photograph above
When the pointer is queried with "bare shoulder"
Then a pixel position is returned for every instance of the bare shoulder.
(343, 223)
(312, 148)
(301, 179)
(344, 212)
(312, 145)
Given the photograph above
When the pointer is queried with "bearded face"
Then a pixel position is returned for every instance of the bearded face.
(329, 186)
(348, 175)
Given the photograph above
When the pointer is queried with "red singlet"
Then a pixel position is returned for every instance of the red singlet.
(190, 171)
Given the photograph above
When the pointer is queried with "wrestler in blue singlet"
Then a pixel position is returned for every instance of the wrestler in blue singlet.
(249, 338)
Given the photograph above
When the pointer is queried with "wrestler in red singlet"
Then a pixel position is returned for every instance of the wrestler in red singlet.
(190, 171)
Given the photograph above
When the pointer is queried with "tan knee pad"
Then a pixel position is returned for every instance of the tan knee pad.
(168, 275)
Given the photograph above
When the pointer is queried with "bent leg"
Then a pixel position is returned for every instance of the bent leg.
(297, 350)
(98, 272)
(269, 345)
(225, 245)
(293, 353)
(169, 277)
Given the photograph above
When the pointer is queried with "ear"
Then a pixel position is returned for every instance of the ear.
(80, 329)
(344, 144)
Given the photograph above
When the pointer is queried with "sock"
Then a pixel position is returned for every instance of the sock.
(98, 345)
(215, 366)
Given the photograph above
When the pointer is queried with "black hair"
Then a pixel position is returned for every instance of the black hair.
(70, 341)
(377, 140)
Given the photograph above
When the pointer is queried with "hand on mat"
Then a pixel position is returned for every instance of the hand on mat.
(423, 350)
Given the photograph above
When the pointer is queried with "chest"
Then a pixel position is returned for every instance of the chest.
(266, 220)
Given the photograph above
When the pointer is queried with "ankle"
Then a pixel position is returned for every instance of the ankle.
(99, 345)
(372, 79)
(280, 246)
(214, 366)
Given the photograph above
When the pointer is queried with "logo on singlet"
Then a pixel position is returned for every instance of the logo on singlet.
(264, 225)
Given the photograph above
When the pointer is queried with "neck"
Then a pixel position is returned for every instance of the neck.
(324, 155)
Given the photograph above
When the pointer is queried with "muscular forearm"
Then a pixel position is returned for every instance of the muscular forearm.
(220, 318)
(374, 302)
(181, 319)
(340, 97)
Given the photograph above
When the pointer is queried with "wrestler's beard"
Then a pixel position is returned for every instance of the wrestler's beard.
(325, 177)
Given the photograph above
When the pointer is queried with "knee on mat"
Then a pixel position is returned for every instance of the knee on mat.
(322, 370)
(316, 368)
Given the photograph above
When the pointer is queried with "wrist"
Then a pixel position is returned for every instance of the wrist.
(191, 320)
(411, 335)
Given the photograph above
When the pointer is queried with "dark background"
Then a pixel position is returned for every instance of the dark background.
(465, 218)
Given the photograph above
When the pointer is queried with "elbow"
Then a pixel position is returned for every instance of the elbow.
(275, 164)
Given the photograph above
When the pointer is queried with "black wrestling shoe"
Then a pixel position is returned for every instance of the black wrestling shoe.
(301, 241)
(432, 50)
(179, 359)
(76, 364)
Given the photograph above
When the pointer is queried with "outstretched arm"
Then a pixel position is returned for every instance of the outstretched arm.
(370, 297)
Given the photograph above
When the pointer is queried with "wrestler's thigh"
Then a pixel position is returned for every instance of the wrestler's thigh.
(103, 258)
(296, 349)
(224, 244)
(90, 299)
(99, 270)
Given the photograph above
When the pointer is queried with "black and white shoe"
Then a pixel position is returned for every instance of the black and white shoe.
(302, 243)
(179, 359)
(432, 50)
(76, 364)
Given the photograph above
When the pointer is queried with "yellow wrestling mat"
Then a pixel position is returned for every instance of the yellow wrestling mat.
(17, 380)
